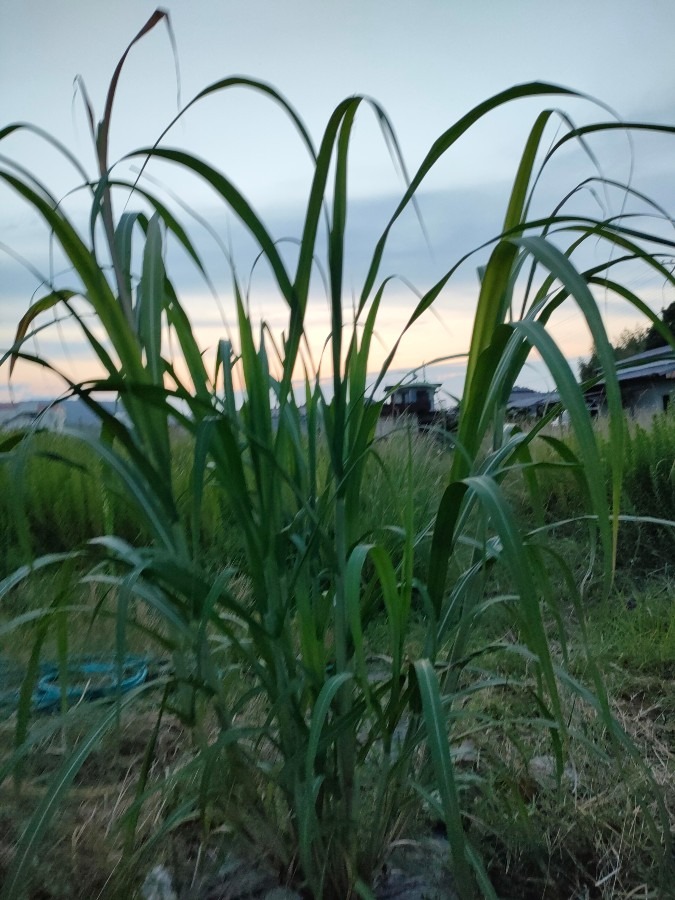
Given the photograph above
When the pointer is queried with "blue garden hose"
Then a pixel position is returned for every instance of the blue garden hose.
(88, 678)
(91, 680)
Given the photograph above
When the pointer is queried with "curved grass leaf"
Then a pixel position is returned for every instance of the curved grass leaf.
(437, 738)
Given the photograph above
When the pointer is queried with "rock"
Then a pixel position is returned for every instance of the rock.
(239, 878)
(542, 769)
(418, 871)
(158, 885)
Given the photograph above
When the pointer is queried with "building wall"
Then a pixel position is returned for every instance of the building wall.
(648, 397)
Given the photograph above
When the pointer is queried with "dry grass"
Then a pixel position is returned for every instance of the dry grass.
(590, 839)
(598, 835)
(83, 856)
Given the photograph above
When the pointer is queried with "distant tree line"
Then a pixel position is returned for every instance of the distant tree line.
(631, 341)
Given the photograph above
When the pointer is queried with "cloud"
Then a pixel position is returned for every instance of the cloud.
(452, 222)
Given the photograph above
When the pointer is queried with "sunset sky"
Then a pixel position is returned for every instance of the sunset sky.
(426, 61)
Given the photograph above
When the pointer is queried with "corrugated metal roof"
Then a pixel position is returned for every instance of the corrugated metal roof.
(411, 385)
(657, 363)
(520, 399)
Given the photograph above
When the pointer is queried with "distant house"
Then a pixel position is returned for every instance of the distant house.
(646, 381)
(524, 403)
(79, 416)
(416, 398)
(56, 415)
(32, 414)
(415, 401)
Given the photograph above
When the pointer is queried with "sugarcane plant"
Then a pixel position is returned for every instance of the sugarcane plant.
(322, 753)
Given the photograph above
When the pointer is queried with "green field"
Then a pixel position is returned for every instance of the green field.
(538, 837)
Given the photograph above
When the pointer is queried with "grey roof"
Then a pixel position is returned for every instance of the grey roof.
(657, 363)
(408, 385)
(525, 399)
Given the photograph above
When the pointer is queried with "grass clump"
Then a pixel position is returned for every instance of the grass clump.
(328, 699)
(650, 494)
(55, 496)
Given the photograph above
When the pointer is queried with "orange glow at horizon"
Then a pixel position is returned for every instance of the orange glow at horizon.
(442, 332)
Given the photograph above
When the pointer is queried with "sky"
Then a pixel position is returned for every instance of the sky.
(427, 62)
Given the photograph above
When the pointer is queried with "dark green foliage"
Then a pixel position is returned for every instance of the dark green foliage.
(632, 341)
(55, 495)
(60, 495)
(654, 338)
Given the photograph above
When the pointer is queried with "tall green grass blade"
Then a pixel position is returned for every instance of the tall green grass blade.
(96, 287)
(40, 306)
(236, 202)
(443, 541)
(437, 736)
(151, 301)
(515, 555)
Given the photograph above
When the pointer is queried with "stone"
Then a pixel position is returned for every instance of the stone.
(158, 885)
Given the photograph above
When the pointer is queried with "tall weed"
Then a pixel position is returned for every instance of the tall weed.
(325, 745)
(649, 488)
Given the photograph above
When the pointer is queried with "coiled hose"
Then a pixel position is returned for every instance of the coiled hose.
(87, 678)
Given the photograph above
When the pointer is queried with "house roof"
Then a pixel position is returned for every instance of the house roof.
(521, 399)
(413, 385)
(657, 363)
